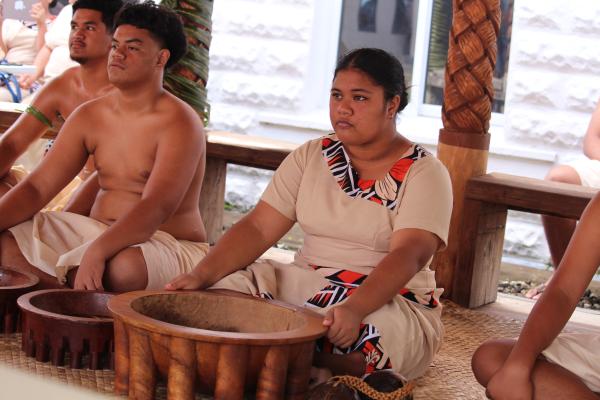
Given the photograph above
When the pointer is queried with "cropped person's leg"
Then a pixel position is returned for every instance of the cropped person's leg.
(559, 230)
(126, 271)
(550, 381)
(11, 256)
(342, 364)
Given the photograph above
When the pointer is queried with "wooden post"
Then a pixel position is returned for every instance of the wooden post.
(468, 95)
(212, 198)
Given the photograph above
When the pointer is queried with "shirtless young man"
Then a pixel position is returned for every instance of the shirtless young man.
(89, 43)
(544, 363)
(149, 152)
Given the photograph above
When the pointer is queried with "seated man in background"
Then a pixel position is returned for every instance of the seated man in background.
(545, 363)
(145, 226)
(89, 44)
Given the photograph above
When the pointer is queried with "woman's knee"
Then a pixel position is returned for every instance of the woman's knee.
(126, 271)
(564, 174)
(489, 357)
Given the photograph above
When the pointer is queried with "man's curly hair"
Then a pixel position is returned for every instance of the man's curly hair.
(163, 24)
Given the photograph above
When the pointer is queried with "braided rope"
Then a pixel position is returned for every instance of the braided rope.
(362, 386)
(472, 51)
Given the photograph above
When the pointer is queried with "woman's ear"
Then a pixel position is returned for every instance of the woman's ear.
(392, 106)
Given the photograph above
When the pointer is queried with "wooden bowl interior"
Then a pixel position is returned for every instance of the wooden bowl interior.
(218, 313)
(10, 278)
(74, 303)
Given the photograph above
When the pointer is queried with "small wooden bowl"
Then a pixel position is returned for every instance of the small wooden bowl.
(13, 284)
(60, 322)
(216, 343)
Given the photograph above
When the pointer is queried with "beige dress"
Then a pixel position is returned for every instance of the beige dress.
(348, 223)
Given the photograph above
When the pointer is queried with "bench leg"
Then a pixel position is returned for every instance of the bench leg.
(212, 198)
(478, 265)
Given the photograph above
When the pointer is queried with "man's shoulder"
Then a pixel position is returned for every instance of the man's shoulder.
(182, 113)
(65, 80)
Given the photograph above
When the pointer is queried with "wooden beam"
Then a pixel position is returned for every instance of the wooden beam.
(530, 195)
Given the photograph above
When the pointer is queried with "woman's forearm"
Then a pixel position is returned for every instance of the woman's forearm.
(384, 282)
(243, 243)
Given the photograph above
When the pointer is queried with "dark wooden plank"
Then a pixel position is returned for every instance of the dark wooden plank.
(530, 195)
(251, 151)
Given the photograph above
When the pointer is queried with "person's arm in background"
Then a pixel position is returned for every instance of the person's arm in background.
(40, 13)
(41, 59)
(591, 141)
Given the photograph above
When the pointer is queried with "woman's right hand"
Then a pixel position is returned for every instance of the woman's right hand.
(39, 12)
(189, 281)
(510, 384)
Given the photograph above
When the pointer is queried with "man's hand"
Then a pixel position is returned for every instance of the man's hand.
(510, 384)
(189, 281)
(344, 325)
(90, 272)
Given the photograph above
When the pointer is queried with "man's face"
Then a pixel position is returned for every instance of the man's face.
(89, 38)
(134, 56)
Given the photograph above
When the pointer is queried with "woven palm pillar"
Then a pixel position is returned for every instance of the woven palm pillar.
(466, 111)
(187, 79)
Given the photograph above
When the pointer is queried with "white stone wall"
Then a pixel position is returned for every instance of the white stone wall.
(263, 65)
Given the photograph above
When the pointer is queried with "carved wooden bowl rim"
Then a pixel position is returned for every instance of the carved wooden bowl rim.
(32, 279)
(26, 305)
(312, 328)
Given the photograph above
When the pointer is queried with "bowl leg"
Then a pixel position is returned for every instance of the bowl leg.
(121, 356)
(231, 372)
(142, 381)
(299, 370)
(271, 379)
(182, 370)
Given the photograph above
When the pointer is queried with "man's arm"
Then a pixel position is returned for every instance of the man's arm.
(177, 158)
(27, 128)
(555, 306)
(82, 201)
(591, 141)
(57, 169)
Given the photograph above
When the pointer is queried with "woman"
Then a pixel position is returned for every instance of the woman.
(374, 208)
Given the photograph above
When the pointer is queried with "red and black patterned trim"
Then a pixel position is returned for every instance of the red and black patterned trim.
(384, 191)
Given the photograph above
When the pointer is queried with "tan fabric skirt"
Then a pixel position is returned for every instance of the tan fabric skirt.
(402, 335)
(55, 241)
(578, 353)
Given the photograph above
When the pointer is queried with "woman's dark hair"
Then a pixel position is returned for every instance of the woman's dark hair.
(163, 24)
(108, 9)
(52, 3)
(382, 67)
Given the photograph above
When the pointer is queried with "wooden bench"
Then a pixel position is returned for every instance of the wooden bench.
(488, 199)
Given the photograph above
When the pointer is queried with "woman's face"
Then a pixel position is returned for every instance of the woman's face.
(358, 110)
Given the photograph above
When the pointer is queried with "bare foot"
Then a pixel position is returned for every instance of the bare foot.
(535, 292)
(318, 376)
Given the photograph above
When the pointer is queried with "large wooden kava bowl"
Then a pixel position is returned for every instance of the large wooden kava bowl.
(62, 322)
(13, 284)
(216, 343)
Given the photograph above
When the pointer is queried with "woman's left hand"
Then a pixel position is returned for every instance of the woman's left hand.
(344, 325)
